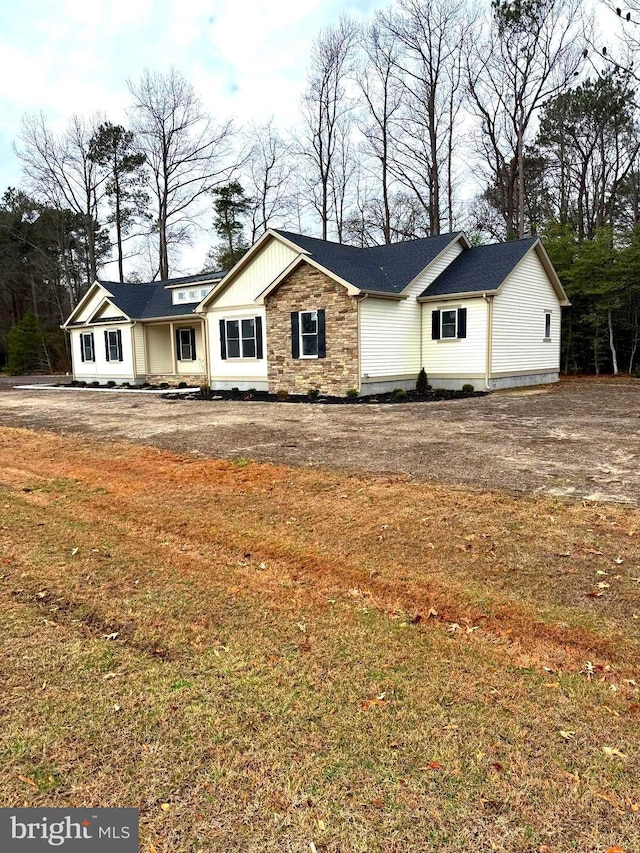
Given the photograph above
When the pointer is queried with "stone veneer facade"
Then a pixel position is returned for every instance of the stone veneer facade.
(308, 289)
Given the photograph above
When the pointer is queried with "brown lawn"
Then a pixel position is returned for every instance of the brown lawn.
(264, 658)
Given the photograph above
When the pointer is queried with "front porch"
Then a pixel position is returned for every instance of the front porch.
(174, 351)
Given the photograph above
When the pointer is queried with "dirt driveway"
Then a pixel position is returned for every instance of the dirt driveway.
(579, 439)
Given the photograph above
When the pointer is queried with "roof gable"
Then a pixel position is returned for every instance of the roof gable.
(146, 301)
(387, 270)
(479, 269)
(483, 269)
(254, 252)
(106, 310)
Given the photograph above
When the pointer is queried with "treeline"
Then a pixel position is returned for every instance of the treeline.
(515, 119)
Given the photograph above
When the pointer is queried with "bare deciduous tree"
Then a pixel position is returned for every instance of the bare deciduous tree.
(187, 153)
(532, 51)
(327, 117)
(382, 93)
(431, 38)
(60, 171)
(269, 173)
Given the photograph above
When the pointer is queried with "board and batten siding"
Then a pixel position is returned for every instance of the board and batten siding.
(463, 358)
(390, 331)
(518, 322)
(257, 275)
(92, 306)
(237, 302)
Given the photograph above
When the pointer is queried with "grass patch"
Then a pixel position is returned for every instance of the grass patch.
(262, 658)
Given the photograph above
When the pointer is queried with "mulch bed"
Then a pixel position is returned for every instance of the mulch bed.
(432, 396)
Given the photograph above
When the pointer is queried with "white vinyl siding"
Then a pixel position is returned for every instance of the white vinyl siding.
(101, 369)
(519, 321)
(462, 357)
(257, 275)
(242, 370)
(390, 331)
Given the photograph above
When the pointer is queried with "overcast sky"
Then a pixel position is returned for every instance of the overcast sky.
(246, 58)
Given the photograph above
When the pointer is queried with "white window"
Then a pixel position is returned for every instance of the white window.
(86, 347)
(547, 325)
(186, 345)
(449, 323)
(309, 334)
(204, 292)
(241, 338)
(182, 295)
(192, 294)
(113, 345)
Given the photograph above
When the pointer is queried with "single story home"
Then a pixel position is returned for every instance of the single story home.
(141, 332)
(297, 313)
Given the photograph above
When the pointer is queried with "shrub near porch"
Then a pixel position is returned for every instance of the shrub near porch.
(308, 289)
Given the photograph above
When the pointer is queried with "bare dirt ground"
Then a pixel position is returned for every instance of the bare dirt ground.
(576, 439)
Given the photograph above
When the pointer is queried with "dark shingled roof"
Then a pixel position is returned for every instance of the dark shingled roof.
(153, 299)
(385, 269)
(480, 268)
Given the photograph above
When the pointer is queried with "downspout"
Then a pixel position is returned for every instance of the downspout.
(359, 300)
(489, 348)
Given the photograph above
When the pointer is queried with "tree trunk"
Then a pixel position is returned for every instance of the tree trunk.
(614, 357)
(521, 200)
(634, 343)
(118, 224)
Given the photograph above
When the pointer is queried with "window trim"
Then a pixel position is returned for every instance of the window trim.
(241, 339)
(83, 351)
(453, 337)
(548, 318)
(302, 335)
(117, 346)
(190, 332)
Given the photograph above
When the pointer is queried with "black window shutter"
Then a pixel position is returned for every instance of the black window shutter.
(178, 353)
(322, 335)
(435, 325)
(119, 335)
(295, 334)
(258, 322)
(192, 335)
(106, 344)
(462, 322)
(223, 341)
(81, 347)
